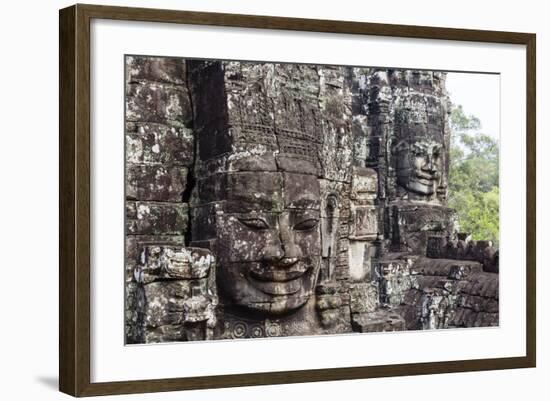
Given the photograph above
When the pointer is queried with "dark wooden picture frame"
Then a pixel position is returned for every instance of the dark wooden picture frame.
(74, 202)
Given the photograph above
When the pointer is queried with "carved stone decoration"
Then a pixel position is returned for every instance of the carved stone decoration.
(177, 293)
(364, 297)
(412, 225)
(267, 200)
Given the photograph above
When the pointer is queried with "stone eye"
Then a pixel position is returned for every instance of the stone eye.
(305, 225)
(256, 224)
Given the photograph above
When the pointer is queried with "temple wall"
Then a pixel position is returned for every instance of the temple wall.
(210, 142)
(159, 153)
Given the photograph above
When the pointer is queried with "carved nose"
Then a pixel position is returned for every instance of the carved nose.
(291, 252)
(429, 166)
(273, 253)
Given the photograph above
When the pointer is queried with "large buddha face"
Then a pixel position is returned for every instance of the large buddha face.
(268, 240)
(419, 166)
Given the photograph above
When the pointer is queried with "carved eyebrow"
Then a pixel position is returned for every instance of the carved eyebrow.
(252, 197)
(305, 202)
(247, 202)
(426, 146)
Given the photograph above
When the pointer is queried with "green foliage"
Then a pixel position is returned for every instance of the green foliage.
(473, 177)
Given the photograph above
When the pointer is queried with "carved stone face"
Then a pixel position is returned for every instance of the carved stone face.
(268, 241)
(419, 166)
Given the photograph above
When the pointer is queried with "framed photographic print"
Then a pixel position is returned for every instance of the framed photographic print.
(250, 200)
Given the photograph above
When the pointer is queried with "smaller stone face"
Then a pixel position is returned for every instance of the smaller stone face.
(419, 166)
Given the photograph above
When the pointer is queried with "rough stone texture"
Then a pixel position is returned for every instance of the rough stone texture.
(155, 182)
(155, 69)
(159, 144)
(364, 297)
(157, 103)
(446, 293)
(381, 320)
(176, 293)
(267, 199)
(160, 152)
(412, 225)
(480, 251)
(156, 218)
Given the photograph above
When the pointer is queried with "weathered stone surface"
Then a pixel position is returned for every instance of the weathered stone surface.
(155, 69)
(364, 185)
(332, 305)
(395, 279)
(320, 191)
(174, 262)
(364, 222)
(131, 314)
(364, 297)
(136, 243)
(412, 225)
(456, 269)
(437, 308)
(146, 182)
(158, 103)
(159, 144)
(480, 251)
(174, 295)
(156, 218)
(362, 260)
(450, 293)
(381, 320)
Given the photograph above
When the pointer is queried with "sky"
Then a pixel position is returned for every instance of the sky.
(479, 95)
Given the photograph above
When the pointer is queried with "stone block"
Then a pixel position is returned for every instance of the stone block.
(364, 222)
(160, 262)
(158, 103)
(363, 297)
(395, 280)
(364, 184)
(150, 143)
(160, 183)
(413, 225)
(155, 69)
(381, 320)
(156, 218)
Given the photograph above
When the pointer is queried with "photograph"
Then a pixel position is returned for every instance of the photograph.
(267, 199)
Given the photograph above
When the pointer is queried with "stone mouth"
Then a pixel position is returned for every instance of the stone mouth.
(425, 178)
(289, 287)
(277, 280)
(277, 273)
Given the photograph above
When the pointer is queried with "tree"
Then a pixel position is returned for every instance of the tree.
(474, 177)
